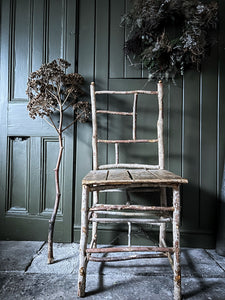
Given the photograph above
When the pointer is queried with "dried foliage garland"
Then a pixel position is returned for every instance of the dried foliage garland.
(169, 36)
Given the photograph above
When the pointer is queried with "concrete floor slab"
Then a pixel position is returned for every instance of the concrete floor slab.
(66, 260)
(198, 263)
(17, 255)
(203, 288)
(220, 260)
(25, 274)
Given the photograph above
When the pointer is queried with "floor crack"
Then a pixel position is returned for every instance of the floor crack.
(212, 257)
(35, 255)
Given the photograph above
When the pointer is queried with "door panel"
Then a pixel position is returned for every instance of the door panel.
(33, 32)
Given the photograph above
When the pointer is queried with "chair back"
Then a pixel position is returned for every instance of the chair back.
(154, 95)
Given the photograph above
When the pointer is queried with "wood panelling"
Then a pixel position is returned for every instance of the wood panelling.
(21, 40)
(18, 174)
(89, 35)
(193, 116)
(32, 33)
(49, 159)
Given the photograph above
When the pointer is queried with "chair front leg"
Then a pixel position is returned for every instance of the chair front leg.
(176, 243)
(83, 242)
(93, 243)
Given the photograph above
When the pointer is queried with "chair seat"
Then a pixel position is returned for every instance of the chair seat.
(119, 177)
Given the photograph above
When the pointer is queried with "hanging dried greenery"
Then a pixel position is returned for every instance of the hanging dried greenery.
(169, 36)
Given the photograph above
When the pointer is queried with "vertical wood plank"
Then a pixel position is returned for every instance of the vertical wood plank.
(56, 29)
(207, 218)
(133, 69)
(38, 35)
(18, 175)
(102, 44)
(191, 149)
(175, 127)
(21, 45)
(220, 245)
(4, 73)
(102, 38)
(116, 67)
(221, 102)
(35, 176)
(86, 67)
(71, 35)
(49, 159)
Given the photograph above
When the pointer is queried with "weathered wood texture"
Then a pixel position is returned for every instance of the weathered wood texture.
(117, 178)
(123, 176)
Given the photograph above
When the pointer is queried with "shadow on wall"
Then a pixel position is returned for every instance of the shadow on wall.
(220, 243)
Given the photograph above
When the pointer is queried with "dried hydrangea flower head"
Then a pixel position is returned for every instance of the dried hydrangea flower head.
(50, 87)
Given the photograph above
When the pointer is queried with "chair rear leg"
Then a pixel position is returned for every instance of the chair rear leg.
(162, 229)
(83, 242)
(176, 243)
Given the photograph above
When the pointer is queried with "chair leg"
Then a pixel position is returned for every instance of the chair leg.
(94, 224)
(83, 242)
(162, 229)
(176, 243)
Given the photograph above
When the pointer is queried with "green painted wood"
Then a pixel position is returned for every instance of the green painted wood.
(175, 106)
(117, 33)
(86, 65)
(5, 54)
(187, 108)
(146, 122)
(33, 32)
(56, 29)
(191, 149)
(38, 34)
(21, 40)
(220, 243)
(30, 147)
(49, 159)
(35, 178)
(133, 68)
(18, 174)
(208, 172)
(101, 44)
(221, 102)
(71, 38)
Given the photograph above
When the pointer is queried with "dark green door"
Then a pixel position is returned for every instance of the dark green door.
(33, 32)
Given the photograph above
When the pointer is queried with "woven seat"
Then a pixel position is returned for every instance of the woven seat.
(132, 177)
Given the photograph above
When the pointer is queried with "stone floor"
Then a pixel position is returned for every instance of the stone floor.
(25, 274)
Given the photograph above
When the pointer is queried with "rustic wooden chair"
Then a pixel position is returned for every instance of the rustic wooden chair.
(130, 177)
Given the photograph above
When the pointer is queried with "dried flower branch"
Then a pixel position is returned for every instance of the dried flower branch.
(51, 90)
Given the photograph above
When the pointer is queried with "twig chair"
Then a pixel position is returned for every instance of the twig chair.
(130, 177)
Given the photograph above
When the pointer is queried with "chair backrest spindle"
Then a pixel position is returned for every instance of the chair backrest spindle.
(94, 127)
(160, 126)
(135, 116)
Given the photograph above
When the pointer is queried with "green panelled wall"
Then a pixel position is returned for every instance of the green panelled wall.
(88, 34)
(194, 122)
